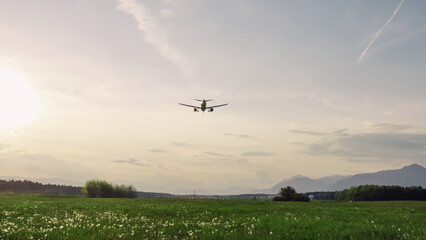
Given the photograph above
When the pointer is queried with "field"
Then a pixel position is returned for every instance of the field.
(62, 217)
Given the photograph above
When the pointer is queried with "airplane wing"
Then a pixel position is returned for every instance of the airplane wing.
(186, 105)
(217, 106)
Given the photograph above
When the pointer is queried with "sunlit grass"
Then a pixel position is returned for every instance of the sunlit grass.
(53, 217)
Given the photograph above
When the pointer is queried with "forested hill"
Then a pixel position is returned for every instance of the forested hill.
(35, 187)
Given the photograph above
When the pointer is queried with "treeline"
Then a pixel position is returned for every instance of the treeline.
(381, 193)
(26, 186)
(103, 189)
(373, 193)
(154, 195)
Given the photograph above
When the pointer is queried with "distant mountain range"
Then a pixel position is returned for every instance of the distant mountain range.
(412, 175)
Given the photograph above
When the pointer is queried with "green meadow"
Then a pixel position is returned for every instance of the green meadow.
(63, 217)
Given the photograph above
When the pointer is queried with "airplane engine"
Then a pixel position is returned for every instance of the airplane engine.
(195, 110)
(211, 110)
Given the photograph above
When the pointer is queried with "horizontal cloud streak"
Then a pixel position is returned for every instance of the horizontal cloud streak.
(393, 127)
(307, 132)
(179, 144)
(239, 135)
(257, 154)
(157, 150)
(340, 132)
(131, 161)
(216, 154)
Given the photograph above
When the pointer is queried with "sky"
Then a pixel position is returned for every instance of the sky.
(90, 90)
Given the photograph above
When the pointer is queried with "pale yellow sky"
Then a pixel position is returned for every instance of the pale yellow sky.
(91, 90)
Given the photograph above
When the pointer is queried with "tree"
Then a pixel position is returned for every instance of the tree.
(103, 189)
(289, 194)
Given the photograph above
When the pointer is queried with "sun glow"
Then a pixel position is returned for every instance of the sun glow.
(18, 102)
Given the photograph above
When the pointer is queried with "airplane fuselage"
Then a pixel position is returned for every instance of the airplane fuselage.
(203, 105)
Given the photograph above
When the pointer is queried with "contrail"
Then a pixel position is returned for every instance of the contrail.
(380, 30)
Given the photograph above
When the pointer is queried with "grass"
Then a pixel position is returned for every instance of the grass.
(63, 217)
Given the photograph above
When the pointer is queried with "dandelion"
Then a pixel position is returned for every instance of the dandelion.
(270, 233)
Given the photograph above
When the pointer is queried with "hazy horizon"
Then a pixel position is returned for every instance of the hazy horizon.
(90, 89)
(296, 181)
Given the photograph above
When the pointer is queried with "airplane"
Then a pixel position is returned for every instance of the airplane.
(203, 106)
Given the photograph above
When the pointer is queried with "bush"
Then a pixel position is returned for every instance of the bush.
(289, 194)
(103, 189)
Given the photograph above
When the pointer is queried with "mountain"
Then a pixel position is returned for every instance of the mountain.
(412, 175)
(331, 179)
(303, 184)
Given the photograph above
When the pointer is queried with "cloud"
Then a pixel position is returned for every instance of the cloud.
(130, 161)
(216, 154)
(179, 144)
(240, 135)
(155, 35)
(157, 150)
(393, 127)
(380, 31)
(341, 132)
(313, 133)
(256, 154)
(307, 132)
(386, 146)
